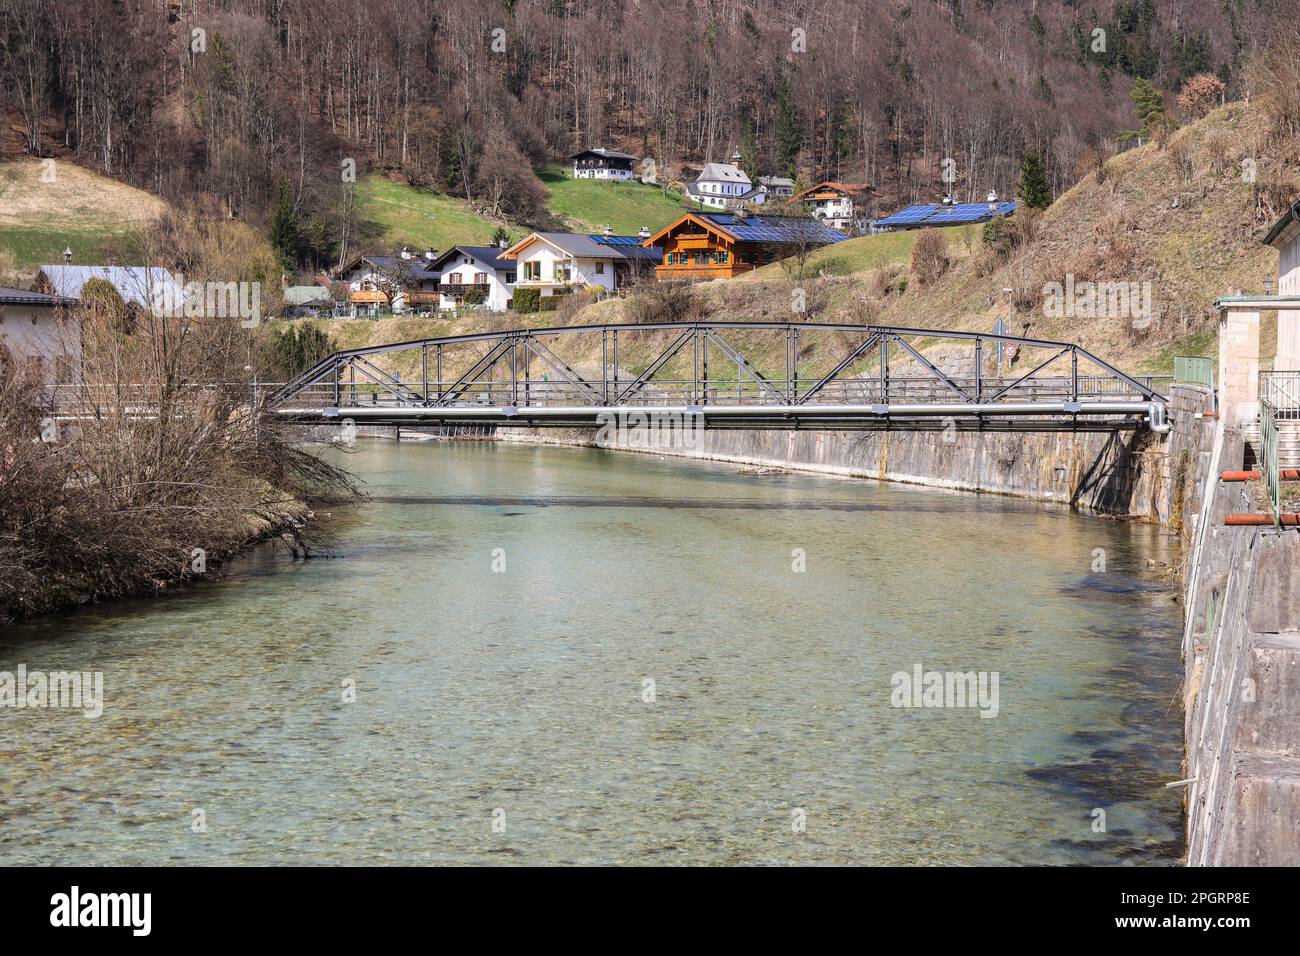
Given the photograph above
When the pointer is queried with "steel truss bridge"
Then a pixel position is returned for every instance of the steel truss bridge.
(726, 375)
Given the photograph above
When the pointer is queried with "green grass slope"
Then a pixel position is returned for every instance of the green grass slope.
(407, 216)
(587, 205)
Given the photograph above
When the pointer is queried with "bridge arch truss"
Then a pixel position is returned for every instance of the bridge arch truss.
(728, 375)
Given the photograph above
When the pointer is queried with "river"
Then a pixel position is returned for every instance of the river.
(564, 655)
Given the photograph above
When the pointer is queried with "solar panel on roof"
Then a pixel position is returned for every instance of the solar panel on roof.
(909, 215)
(967, 212)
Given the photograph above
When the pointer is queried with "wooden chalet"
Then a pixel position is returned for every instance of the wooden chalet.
(707, 245)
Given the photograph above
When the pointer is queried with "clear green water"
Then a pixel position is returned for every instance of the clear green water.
(521, 692)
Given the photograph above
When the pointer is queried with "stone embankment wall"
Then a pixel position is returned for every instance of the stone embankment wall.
(1135, 473)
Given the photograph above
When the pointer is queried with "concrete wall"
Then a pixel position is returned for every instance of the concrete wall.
(1128, 473)
(1241, 651)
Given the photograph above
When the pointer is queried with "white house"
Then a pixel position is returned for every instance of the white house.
(602, 164)
(560, 260)
(776, 187)
(842, 206)
(36, 335)
(390, 283)
(720, 186)
(475, 275)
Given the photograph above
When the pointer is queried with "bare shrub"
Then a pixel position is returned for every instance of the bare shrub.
(884, 280)
(1093, 161)
(1200, 95)
(985, 261)
(161, 453)
(1162, 127)
(1181, 157)
(1217, 146)
(666, 302)
(9, 274)
(930, 256)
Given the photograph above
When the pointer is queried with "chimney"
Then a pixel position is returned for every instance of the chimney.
(430, 254)
(993, 199)
(947, 200)
(67, 255)
(503, 243)
(608, 230)
(644, 232)
(406, 252)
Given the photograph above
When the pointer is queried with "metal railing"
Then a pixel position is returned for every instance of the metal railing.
(1281, 391)
(1269, 454)
(1194, 370)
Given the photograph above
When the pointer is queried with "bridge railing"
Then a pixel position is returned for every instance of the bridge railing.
(1281, 391)
(1270, 455)
(720, 391)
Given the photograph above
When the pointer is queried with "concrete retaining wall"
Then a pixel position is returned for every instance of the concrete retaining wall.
(1241, 650)
(1135, 474)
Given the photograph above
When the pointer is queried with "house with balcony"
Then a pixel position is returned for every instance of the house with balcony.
(846, 207)
(557, 262)
(475, 276)
(705, 245)
(399, 283)
(602, 164)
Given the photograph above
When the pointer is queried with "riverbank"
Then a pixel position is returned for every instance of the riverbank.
(275, 516)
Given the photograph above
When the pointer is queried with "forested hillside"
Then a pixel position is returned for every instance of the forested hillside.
(218, 103)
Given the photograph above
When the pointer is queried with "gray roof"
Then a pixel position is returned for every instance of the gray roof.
(588, 246)
(25, 297)
(1285, 229)
(488, 255)
(141, 285)
(776, 181)
(722, 172)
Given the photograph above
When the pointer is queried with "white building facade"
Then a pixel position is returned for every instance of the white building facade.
(39, 337)
(549, 261)
(721, 185)
(475, 276)
(602, 164)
